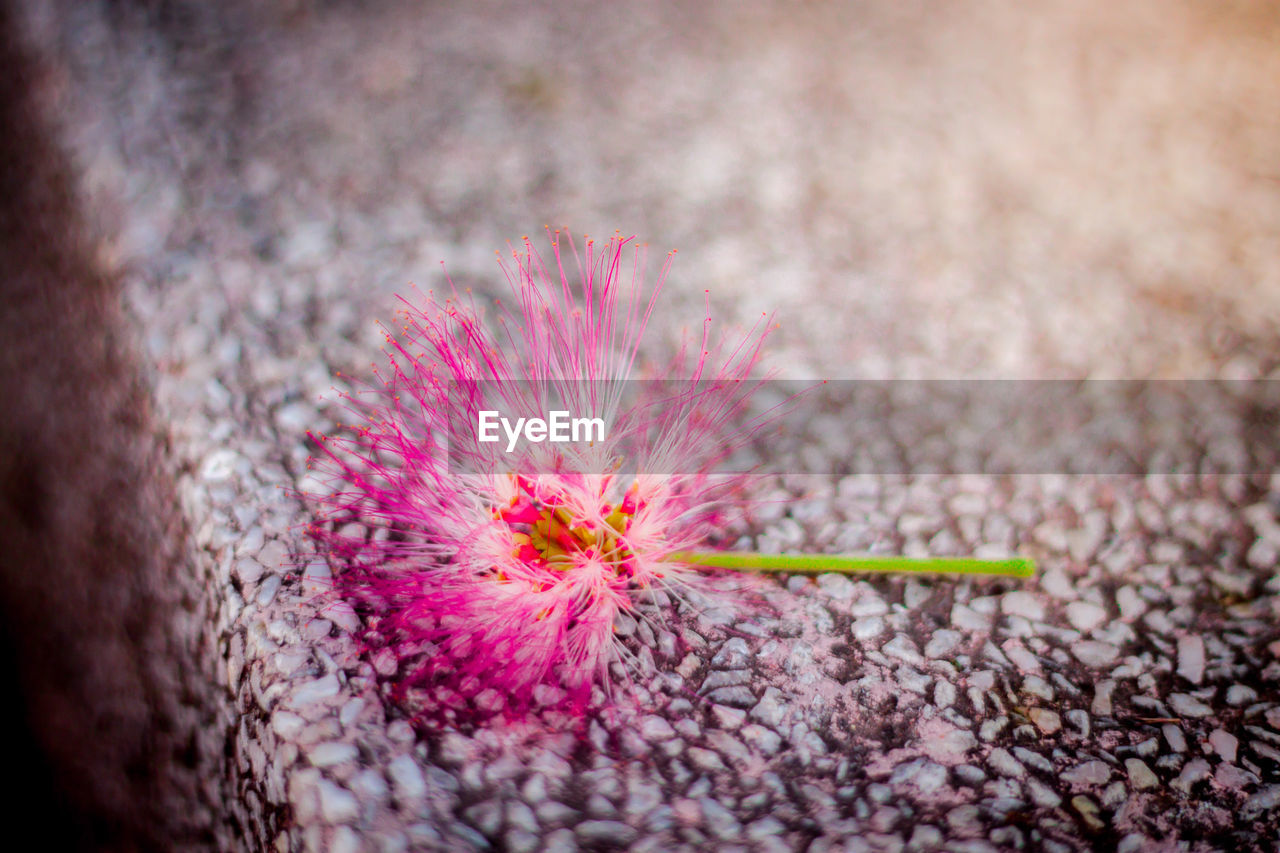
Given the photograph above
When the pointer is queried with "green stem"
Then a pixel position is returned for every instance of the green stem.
(1018, 567)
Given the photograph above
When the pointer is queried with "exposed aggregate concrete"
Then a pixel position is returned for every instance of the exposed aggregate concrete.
(269, 190)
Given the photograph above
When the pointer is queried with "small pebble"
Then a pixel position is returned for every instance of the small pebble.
(1084, 616)
(1094, 652)
(1195, 770)
(1088, 773)
(1024, 604)
(1191, 658)
(1185, 705)
(1045, 720)
(1101, 706)
(1140, 774)
(1224, 743)
(337, 804)
(1174, 737)
(1001, 761)
(1089, 812)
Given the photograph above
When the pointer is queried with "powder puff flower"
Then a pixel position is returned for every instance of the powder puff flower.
(489, 570)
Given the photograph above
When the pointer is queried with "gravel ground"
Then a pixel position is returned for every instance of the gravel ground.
(1086, 189)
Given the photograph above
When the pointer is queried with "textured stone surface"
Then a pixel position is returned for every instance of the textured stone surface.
(1078, 190)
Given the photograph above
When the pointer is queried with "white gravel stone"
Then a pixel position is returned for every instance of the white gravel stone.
(1047, 721)
(1020, 656)
(1174, 737)
(737, 697)
(1233, 778)
(771, 708)
(968, 619)
(1042, 795)
(1094, 653)
(369, 786)
(314, 691)
(267, 590)
(656, 730)
(274, 556)
(406, 779)
(1224, 743)
(1186, 705)
(1140, 775)
(1033, 759)
(990, 729)
(942, 643)
(337, 804)
(642, 798)
(1024, 604)
(1130, 603)
(734, 654)
(1088, 773)
(485, 816)
(926, 776)
(317, 578)
(520, 841)
(719, 820)
(1084, 616)
(456, 748)
(219, 465)
(401, 732)
(868, 603)
(764, 740)
(705, 759)
(1079, 718)
(836, 586)
(867, 627)
(248, 570)
(965, 820)
(342, 614)
(606, 832)
(287, 725)
(728, 718)
(1158, 621)
(1057, 584)
(1102, 698)
(333, 753)
(904, 649)
(730, 748)
(345, 840)
(1195, 770)
(1037, 686)
(350, 711)
(316, 629)
(1003, 762)
(251, 543)
(1191, 658)
(560, 841)
(765, 828)
(1241, 694)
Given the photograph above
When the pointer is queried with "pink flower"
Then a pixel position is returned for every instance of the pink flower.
(491, 572)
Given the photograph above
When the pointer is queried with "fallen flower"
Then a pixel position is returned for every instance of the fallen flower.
(493, 567)
(490, 574)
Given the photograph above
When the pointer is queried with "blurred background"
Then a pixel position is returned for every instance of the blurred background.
(915, 189)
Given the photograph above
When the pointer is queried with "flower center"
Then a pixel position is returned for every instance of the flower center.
(548, 534)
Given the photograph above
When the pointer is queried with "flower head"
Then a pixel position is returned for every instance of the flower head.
(493, 569)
